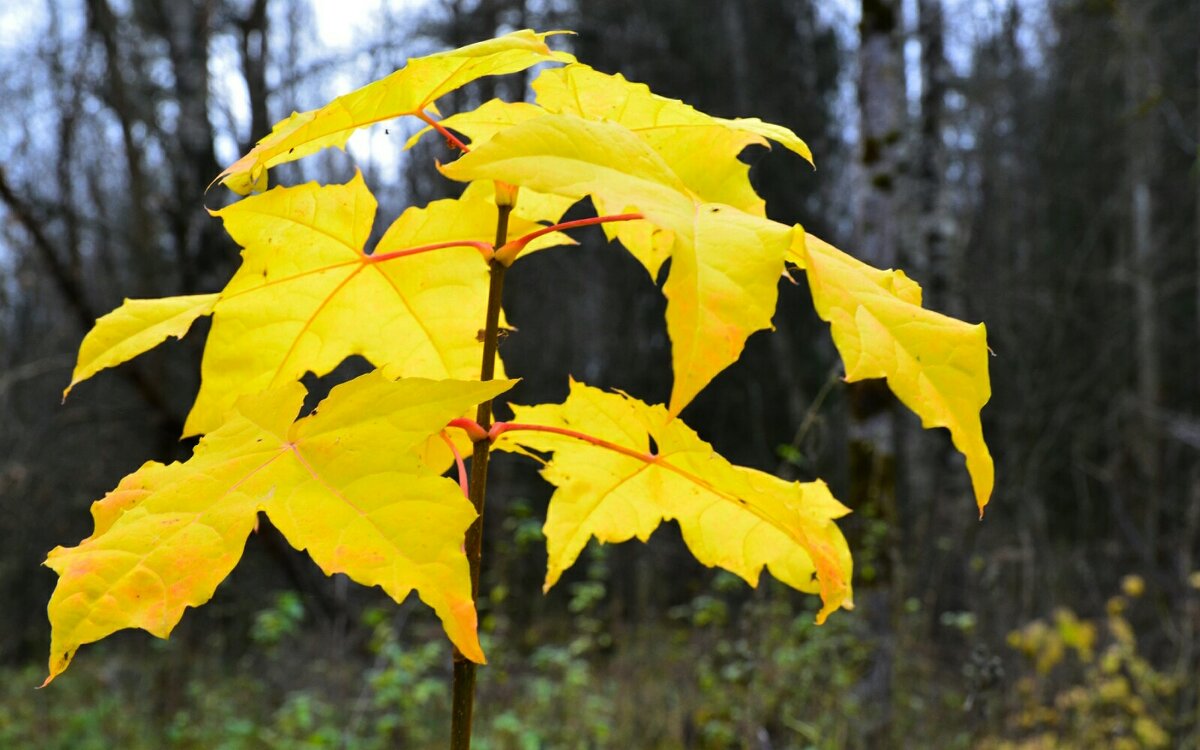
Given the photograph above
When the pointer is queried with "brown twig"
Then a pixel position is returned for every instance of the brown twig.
(462, 705)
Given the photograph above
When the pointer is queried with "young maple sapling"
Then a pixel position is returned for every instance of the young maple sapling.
(666, 182)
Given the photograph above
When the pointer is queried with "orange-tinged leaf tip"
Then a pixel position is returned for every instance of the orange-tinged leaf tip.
(466, 635)
(552, 576)
(56, 667)
(476, 655)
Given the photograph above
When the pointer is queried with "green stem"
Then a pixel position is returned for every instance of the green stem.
(463, 701)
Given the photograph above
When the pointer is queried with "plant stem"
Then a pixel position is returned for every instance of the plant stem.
(500, 428)
(508, 252)
(450, 139)
(463, 484)
(463, 701)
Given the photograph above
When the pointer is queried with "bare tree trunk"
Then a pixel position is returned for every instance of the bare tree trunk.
(1187, 664)
(735, 28)
(1141, 83)
(873, 427)
(930, 156)
(187, 27)
(70, 98)
(929, 478)
(253, 34)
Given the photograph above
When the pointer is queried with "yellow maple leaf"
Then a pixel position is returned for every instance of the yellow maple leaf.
(412, 90)
(677, 131)
(343, 483)
(648, 243)
(725, 262)
(701, 149)
(307, 296)
(936, 365)
(732, 517)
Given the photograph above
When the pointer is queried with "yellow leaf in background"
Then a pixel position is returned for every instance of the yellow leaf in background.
(408, 91)
(936, 365)
(732, 517)
(726, 263)
(343, 483)
(137, 326)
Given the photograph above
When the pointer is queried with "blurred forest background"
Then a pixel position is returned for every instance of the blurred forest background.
(1032, 163)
